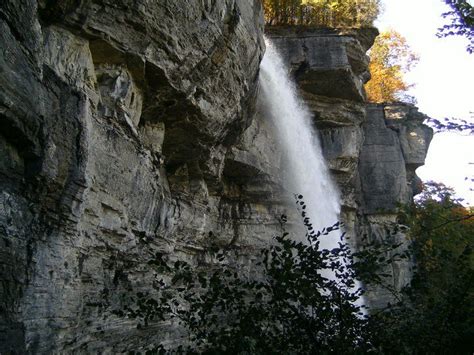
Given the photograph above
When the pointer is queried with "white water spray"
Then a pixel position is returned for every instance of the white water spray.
(306, 170)
(307, 173)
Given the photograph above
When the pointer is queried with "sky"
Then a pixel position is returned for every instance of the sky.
(444, 87)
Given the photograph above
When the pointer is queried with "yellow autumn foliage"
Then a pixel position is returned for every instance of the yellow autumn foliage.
(323, 13)
(390, 58)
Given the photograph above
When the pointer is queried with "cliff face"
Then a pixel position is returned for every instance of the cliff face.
(395, 144)
(372, 150)
(116, 118)
(129, 128)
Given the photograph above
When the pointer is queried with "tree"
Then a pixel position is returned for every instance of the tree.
(390, 58)
(462, 22)
(435, 315)
(286, 12)
(323, 13)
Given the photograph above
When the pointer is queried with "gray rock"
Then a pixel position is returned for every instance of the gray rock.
(129, 128)
(382, 166)
(326, 62)
(115, 121)
(372, 150)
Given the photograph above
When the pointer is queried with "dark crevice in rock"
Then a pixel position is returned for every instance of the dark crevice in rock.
(52, 11)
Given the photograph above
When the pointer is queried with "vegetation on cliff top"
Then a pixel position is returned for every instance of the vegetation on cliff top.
(323, 13)
(391, 57)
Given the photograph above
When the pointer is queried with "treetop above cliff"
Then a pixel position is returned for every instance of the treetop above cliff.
(322, 13)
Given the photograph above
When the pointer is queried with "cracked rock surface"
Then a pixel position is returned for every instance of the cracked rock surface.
(372, 150)
(133, 127)
(116, 118)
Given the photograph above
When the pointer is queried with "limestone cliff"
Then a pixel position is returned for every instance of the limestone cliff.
(115, 122)
(133, 127)
(372, 150)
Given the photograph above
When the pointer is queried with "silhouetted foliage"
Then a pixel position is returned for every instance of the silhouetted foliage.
(452, 125)
(462, 22)
(298, 299)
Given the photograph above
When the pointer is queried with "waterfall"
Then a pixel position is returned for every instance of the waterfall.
(304, 170)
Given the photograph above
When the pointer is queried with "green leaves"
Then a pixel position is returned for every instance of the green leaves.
(285, 305)
(435, 313)
(288, 305)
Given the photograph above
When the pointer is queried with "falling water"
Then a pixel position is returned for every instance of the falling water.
(306, 170)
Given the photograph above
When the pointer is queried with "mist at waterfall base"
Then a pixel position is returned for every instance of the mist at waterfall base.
(304, 169)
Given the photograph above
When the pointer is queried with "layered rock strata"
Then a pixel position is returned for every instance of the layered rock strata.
(118, 125)
(372, 150)
(129, 128)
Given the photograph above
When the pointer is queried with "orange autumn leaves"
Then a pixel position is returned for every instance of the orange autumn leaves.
(390, 59)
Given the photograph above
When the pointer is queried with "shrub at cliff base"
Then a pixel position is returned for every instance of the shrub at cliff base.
(287, 304)
(436, 314)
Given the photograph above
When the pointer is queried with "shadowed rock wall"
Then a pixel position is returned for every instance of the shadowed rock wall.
(129, 128)
(117, 120)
